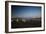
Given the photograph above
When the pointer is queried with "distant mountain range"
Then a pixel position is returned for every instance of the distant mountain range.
(26, 18)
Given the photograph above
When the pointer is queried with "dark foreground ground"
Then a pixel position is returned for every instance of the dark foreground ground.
(30, 23)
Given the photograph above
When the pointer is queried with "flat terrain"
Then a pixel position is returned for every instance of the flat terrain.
(25, 24)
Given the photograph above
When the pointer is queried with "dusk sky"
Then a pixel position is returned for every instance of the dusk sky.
(25, 11)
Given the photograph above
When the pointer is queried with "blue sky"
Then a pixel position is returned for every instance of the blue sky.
(25, 11)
